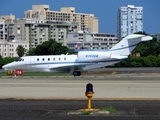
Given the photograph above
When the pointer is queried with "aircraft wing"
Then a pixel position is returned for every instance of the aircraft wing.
(85, 66)
(99, 65)
(64, 66)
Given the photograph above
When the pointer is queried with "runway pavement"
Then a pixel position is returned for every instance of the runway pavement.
(134, 96)
(110, 87)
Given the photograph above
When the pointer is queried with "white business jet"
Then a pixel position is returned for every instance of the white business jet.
(83, 61)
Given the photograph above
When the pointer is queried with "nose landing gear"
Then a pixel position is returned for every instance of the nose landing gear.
(77, 73)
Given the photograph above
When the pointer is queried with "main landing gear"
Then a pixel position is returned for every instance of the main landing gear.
(77, 73)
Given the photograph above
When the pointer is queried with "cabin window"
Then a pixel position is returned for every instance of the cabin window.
(59, 58)
(37, 59)
(48, 59)
(43, 59)
(53, 59)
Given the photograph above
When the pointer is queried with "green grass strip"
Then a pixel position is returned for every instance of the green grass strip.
(110, 109)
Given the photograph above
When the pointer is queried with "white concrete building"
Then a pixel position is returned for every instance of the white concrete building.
(8, 49)
(87, 40)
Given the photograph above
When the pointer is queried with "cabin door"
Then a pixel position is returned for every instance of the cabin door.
(32, 62)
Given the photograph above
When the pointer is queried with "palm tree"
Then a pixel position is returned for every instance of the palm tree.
(20, 50)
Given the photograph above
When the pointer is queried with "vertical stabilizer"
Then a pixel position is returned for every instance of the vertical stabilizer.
(127, 44)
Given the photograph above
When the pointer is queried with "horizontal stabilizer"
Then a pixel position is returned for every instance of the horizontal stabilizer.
(128, 44)
(146, 38)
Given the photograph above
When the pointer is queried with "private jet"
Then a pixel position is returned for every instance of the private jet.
(83, 61)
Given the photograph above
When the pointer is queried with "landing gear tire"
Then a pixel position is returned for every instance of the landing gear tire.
(77, 73)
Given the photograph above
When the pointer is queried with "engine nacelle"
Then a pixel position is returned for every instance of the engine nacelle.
(93, 55)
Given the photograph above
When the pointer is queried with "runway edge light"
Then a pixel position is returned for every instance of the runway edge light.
(89, 93)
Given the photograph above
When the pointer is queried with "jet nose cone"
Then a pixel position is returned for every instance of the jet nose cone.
(4, 67)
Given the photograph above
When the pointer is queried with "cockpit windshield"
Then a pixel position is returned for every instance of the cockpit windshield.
(19, 60)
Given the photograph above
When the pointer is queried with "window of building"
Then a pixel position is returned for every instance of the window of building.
(59, 58)
(43, 59)
(48, 59)
(105, 39)
(64, 58)
(37, 59)
(95, 43)
(53, 59)
(103, 43)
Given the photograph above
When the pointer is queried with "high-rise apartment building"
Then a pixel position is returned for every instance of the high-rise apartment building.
(30, 33)
(4, 27)
(38, 31)
(65, 14)
(8, 40)
(130, 20)
(3, 30)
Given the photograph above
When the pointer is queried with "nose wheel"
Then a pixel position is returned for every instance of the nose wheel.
(77, 73)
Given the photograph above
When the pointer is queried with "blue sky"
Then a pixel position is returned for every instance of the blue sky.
(105, 10)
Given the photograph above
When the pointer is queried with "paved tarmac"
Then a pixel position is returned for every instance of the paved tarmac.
(58, 110)
(135, 96)
(119, 86)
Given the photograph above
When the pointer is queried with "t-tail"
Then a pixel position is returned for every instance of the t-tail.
(127, 44)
